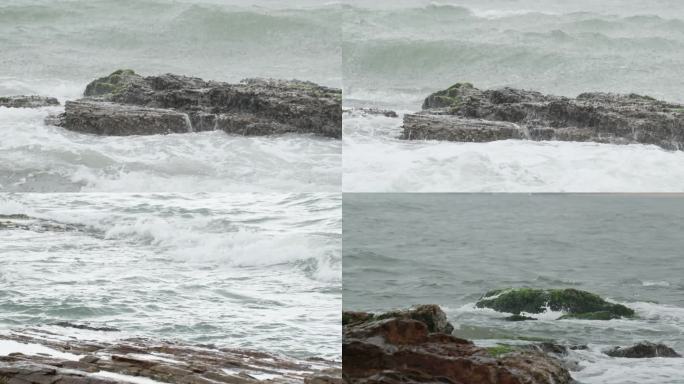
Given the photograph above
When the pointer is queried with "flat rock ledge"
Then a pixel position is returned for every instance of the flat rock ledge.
(467, 114)
(27, 101)
(125, 103)
(411, 346)
(43, 357)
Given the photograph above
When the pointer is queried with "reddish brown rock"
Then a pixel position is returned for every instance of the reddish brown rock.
(92, 362)
(396, 349)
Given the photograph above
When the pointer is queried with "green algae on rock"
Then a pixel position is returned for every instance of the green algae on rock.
(463, 113)
(125, 103)
(576, 303)
(112, 83)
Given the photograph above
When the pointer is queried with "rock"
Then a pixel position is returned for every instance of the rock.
(125, 103)
(577, 304)
(596, 117)
(396, 347)
(453, 128)
(429, 314)
(27, 223)
(643, 350)
(27, 101)
(139, 359)
(106, 118)
(67, 324)
(379, 112)
(519, 318)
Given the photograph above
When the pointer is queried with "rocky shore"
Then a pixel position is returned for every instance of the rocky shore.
(125, 103)
(40, 356)
(418, 345)
(468, 114)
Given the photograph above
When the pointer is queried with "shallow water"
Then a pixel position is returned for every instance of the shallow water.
(396, 53)
(259, 271)
(405, 249)
(55, 48)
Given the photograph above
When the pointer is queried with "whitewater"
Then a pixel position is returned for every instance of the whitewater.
(55, 48)
(397, 53)
(253, 270)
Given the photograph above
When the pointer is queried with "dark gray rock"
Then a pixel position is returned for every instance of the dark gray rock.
(113, 119)
(642, 350)
(125, 103)
(27, 101)
(595, 117)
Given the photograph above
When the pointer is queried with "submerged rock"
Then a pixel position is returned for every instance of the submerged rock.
(396, 347)
(44, 357)
(577, 304)
(643, 350)
(125, 103)
(465, 113)
(27, 101)
(28, 223)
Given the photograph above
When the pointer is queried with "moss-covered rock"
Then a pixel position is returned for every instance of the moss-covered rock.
(576, 303)
(517, 317)
(451, 97)
(353, 317)
(500, 349)
(111, 84)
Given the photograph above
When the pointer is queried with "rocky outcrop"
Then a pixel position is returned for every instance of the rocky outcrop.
(465, 113)
(643, 350)
(44, 357)
(125, 103)
(431, 315)
(399, 347)
(27, 101)
(575, 303)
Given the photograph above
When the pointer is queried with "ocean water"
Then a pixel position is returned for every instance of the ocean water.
(55, 48)
(395, 53)
(258, 271)
(449, 249)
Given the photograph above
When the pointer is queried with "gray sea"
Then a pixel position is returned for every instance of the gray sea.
(449, 249)
(56, 47)
(395, 53)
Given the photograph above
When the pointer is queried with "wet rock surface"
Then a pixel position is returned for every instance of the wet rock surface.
(125, 103)
(27, 101)
(65, 360)
(397, 347)
(465, 113)
(575, 303)
(28, 223)
(642, 350)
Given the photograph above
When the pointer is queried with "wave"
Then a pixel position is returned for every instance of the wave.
(304, 237)
(44, 158)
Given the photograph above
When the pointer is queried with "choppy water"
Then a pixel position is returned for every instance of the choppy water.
(397, 52)
(55, 48)
(260, 271)
(405, 249)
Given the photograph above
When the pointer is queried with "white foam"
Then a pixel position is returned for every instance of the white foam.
(124, 378)
(10, 346)
(375, 161)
